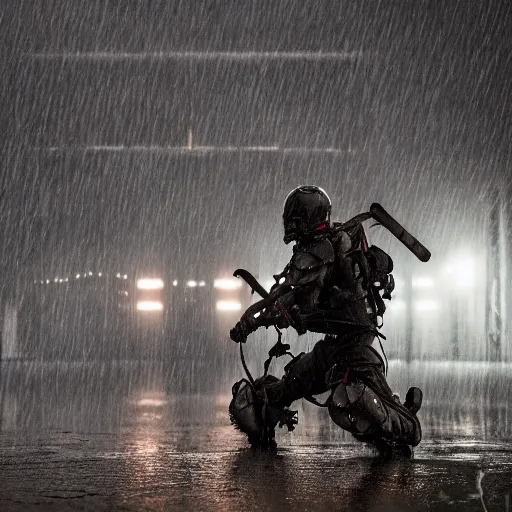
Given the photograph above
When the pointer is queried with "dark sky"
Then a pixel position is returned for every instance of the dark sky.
(403, 102)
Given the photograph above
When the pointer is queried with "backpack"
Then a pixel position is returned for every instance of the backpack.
(370, 265)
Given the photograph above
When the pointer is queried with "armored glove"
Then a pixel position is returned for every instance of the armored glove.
(242, 329)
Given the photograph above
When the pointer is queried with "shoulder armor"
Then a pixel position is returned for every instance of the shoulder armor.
(341, 240)
(314, 255)
(345, 242)
(323, 250)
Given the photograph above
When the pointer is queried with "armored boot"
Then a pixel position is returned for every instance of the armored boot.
(377, 419)
(413, 400)
(394, 445)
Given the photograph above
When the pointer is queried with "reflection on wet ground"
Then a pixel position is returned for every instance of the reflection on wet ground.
(460, 399)
(119, 437)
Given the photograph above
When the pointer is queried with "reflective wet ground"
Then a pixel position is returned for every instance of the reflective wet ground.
(120, 437)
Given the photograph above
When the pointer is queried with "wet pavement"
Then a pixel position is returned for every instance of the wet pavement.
(115, 437)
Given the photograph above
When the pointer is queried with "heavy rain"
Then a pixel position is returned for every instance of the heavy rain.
(147, 149)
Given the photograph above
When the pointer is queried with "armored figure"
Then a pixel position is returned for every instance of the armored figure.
(334, 285)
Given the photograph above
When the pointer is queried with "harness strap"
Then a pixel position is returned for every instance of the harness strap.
(247, 372)
(314, 401)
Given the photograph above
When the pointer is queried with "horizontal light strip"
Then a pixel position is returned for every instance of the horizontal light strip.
(149, 306)
(228, 305)
(150, 283)
(194, 149)
(426, 305)
(227, 284)
(198, 55)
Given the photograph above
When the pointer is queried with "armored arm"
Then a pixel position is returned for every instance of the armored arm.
(307, 274)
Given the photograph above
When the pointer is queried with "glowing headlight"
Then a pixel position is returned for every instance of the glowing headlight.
(150, 284)
(147, 305)
(226, 284)
(228, 305)
(426, 305)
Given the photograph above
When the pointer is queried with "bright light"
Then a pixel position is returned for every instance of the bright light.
(461, 268)
(397, 305)
(226, 284)
(175, 283)
(465, 273)
(269, 283)
(228, 305)
(90, 273)
(426, 305)
(125, 277)
(150, 283)
(422, 282)
(151, 402)
(399, 283)
(118, 275)
(191, 284)
(77, 276)
(56, 280)
(147, 305)
(99, 274)
(202, 283)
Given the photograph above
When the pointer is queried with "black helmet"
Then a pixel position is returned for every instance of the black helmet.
(305, 210)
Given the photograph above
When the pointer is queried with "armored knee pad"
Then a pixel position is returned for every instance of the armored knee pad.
(251, 413)
(245, 411)
(356, 408)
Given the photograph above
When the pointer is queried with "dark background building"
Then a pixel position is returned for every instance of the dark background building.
(162, 137)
